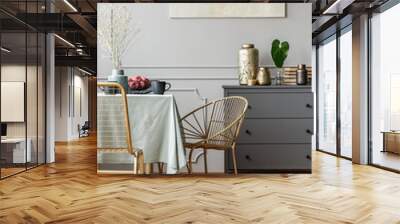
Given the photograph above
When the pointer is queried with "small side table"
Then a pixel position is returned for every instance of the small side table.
(391, 141)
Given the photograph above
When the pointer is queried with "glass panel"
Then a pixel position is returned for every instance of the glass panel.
(385, 84)
(346, 94)
(23, 89)
(327, 97)
(13, 87)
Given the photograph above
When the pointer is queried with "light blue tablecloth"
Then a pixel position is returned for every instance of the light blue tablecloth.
(154, 123)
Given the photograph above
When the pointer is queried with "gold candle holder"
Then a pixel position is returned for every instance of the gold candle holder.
(252, 82)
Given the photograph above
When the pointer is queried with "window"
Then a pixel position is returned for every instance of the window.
(385, 89)
(327, 96)
(334, 106)
(22, 77)
(346, 93)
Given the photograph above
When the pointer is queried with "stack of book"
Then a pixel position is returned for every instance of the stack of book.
(289, 75)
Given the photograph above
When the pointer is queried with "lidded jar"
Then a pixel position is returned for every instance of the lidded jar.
(248, 63)
(301, 75)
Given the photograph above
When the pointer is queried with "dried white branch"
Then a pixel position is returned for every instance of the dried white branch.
(116, 32)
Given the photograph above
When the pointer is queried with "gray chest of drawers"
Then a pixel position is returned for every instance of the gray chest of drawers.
(277, 131)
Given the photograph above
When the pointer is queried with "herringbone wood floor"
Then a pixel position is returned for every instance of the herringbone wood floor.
(69, 191)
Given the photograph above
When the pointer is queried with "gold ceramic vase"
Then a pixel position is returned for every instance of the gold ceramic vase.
(248, 63)
(263, 76)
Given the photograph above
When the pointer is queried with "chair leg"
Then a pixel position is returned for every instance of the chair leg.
(187, 167)
(135, 165)
(190, 161)
(160, 168)
(234, 159)
(139, 163)
(205, 161)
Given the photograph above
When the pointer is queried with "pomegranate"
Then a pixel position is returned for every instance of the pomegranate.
(138, 82)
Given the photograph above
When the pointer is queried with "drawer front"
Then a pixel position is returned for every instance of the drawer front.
(278, 105)
(276, 131)
(272, 157)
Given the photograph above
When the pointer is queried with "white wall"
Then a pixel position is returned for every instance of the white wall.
(50, 96)
(61, 103)
(202, 54)
(166, 44)
(33, 125)
(360, 90)
(81, 108)
(12, 73)
(69, 81)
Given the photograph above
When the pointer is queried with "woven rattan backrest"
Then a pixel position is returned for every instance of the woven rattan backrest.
(216, 123)
(226, 117)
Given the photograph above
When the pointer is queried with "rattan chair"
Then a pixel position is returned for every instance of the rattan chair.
(127, 136)
(214, 125)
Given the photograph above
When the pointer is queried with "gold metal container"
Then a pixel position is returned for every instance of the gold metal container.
(248, 63)
(263, 76)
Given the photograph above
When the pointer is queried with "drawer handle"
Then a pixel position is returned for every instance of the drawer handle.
(309, 131)
(248, 132)
(249, 107)
(308, 105)
(308, 157)
(248, 157)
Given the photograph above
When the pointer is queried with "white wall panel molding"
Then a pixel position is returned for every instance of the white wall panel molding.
(224, 72)
(191, 77)
(184, 72)
(194, 90)
(187, 77)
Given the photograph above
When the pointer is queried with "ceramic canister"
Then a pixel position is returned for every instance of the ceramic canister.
(248, 63)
